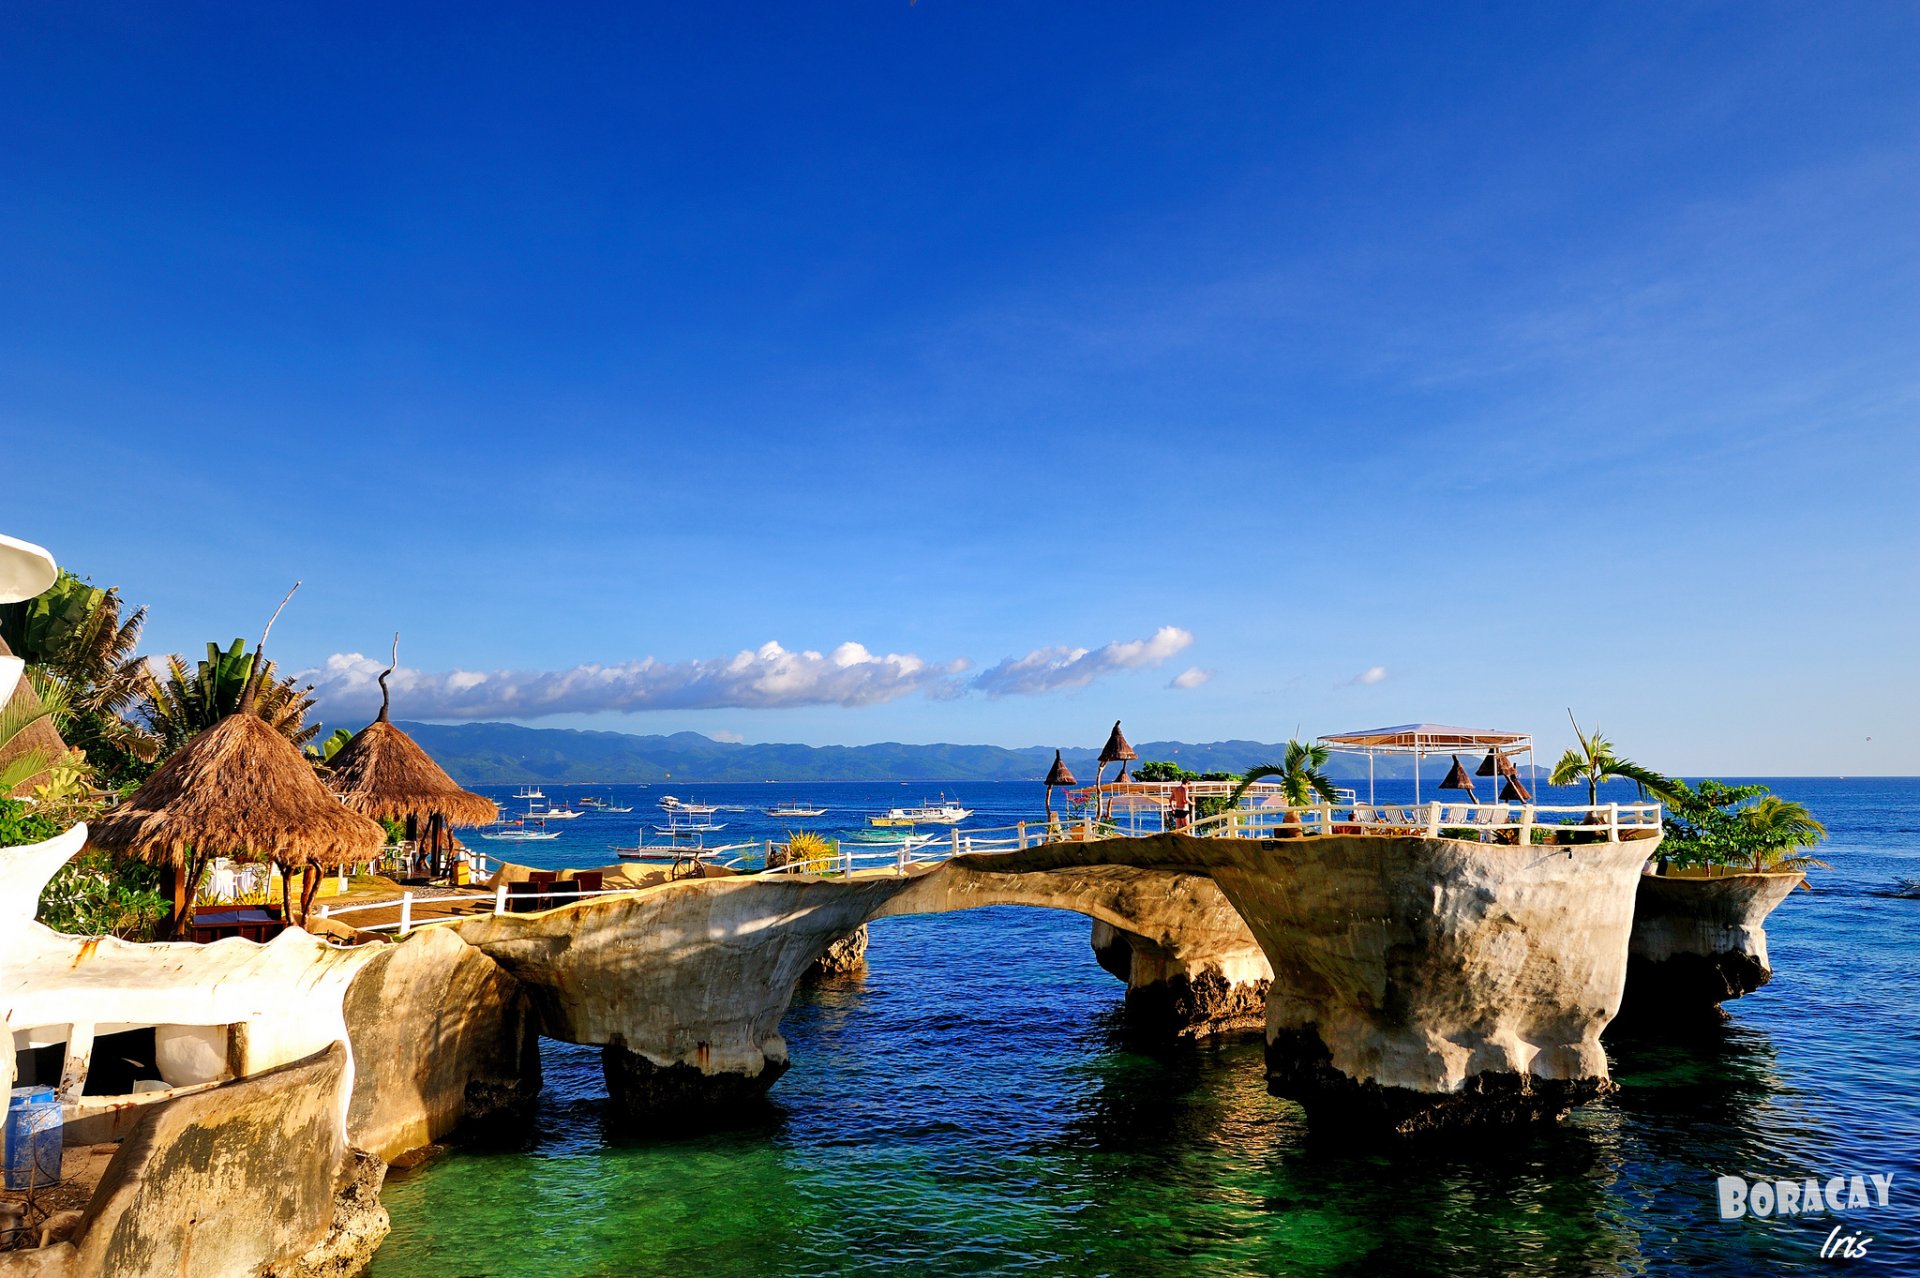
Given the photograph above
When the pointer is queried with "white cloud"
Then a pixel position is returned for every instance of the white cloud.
(763, 678)
(1191, 677)
(766, 677)
(729, 738)
(1052, 669)
(1371, 675)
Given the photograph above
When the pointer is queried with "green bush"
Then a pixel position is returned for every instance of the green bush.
(95, 895)
(21, 824)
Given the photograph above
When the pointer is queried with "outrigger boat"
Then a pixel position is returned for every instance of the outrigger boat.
(517, 832)
(672, 804)
(794, 809)
(690, 827)
(529, 792)
(946, 812)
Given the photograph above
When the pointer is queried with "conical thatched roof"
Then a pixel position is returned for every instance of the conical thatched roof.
(1060, 773)
(1515, 791)
(1458, 778)
(237, 789)
(40, 736)
(384, 774)
(1116, 750)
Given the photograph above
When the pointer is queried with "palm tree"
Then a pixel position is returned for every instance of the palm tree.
(75, 635)
(1300, 777)
(1594, 762)
(22, 757)
(188, 701)
(1775, 828)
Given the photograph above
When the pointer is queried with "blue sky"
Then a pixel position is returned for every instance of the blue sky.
(1344, 367)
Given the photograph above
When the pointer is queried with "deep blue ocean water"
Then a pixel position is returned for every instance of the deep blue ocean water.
(975, 1103)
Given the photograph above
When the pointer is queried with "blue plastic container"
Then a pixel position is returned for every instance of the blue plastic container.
(34, 1138)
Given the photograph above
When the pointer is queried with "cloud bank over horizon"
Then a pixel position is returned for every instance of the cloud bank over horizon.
(763, 678)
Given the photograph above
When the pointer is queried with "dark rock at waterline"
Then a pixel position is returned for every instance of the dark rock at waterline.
(1300, 1068)
(643, 1096)
(844, 957)
(1698, 942)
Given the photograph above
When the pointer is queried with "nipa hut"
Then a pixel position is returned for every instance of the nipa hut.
(237, 789)
(382, 773)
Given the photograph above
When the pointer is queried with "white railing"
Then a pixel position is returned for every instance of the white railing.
(498, 900)
(1432, 820)
(849, 855)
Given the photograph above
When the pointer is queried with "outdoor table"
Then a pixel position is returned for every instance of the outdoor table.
(251, 922)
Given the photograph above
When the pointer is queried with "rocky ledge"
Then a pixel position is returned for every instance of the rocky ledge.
(1698, 942)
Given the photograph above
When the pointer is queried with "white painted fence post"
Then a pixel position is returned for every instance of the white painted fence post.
(956, 840)
(1326, 818)
(500, 898)
(1613, 823)
(1526, 825)
(1020, 836)
(325, 911)
(406, 913)
(1433, 820)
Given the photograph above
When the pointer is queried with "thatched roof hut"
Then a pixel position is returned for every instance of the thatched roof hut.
(1060, 773)
(1116, 750)
(384, 774)
(242, 789)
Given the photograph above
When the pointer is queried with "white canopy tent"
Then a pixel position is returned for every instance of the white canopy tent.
(1422, 739)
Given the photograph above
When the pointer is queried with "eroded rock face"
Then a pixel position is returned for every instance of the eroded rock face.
(1423, 983)
(440, 1035)
(694, 974)
(225, 1183)
(1698, 942)
(684, 986)
(844, 957)
(1205, 990)
(360, 1224)
(1415, 982)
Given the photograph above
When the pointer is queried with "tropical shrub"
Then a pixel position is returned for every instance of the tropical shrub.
(21, 824)
(811, 852)
(95, 895)
(1163, 770)
(1743, 826)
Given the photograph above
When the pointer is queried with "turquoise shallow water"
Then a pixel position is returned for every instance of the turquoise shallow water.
(975, 1103)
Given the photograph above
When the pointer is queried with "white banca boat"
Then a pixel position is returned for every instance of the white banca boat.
(521, 832)
(945, 812)
(794, 809)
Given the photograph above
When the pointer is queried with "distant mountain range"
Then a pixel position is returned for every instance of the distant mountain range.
(503, 753)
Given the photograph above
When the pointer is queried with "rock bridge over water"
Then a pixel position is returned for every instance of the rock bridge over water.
(1409, 977)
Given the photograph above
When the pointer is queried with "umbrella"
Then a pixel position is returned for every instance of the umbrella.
(1457, 779)
(1058, 774)
(1494, 762)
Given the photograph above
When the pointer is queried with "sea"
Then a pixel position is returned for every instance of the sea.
(976, 1102)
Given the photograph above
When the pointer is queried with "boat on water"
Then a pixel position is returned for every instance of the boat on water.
(529, 792)
(560, 814)
(672, 804)
(608, 807)
(692, 826)
(794, 809)
(872, 839)
(945, 812)
(520, 832)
